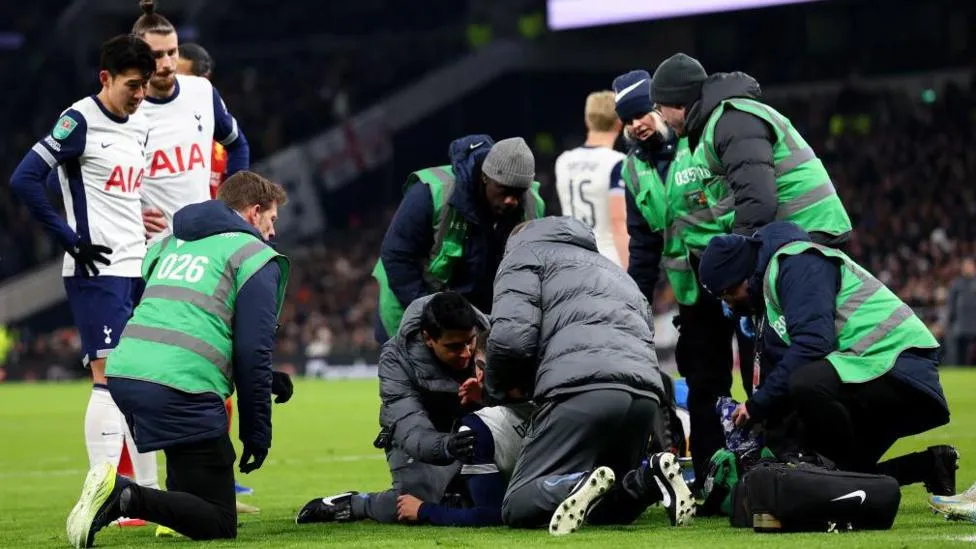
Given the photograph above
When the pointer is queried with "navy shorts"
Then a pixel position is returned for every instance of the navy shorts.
(101, 306)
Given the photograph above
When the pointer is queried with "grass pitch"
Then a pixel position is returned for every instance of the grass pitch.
(323, 445)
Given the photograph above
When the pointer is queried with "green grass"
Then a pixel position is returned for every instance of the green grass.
(323, 444)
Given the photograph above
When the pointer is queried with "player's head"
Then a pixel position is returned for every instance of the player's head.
(255, 198)
(506, 173)
(194, 61)
(634, 106)
(160, 34)
(449, 326)
(677, 85)
(600, 113)
(125, 67)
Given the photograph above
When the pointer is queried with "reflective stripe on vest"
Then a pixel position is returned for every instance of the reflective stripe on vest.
(796, 157)
(215, 304)
(872, 325)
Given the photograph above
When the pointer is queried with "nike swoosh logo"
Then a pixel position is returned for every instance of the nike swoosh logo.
(476, 145)
(855, 494)
(628, 89)
(106, 145)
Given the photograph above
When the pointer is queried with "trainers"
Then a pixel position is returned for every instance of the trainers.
(676, 497)
(587, 492)
(954, 509)
(243, 490)
(97, 507)
(337, 508)
(945, 461)
(165, 532)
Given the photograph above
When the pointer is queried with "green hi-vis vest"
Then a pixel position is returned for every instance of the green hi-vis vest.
(873, 326)
(689, 208)
(804, 191)
(450, 230)
(181, 333)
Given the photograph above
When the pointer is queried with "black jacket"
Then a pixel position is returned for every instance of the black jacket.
(161, 417)
(744, 144)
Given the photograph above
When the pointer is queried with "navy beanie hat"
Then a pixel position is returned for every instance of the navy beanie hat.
(728, 260)
(633, 94)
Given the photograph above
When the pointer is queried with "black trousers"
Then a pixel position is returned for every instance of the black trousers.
(854, 424)
(704, 357)
(199, 501)
(568, 438)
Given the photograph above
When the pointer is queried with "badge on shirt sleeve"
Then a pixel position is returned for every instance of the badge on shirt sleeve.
(64, 127)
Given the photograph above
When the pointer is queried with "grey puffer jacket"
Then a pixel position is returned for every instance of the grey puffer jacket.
(420, 403)
(567, 320)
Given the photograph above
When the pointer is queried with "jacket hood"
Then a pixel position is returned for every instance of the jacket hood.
(717, 88)
(410, 325)
(198, 221)
(466, 155)
(558, 229)
(771, 238)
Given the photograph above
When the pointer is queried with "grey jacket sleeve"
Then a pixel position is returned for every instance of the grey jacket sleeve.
(513, 344)
(402, 412)
(744, 144)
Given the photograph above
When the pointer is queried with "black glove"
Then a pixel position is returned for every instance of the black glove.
(281, 386)
(87, 254)
(460, 445)
(252, 458)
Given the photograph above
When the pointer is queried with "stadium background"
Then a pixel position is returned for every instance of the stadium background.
(341, 100)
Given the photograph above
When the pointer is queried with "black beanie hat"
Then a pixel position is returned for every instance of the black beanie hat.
(678, 81)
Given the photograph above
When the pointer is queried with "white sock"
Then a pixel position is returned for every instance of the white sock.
(103, 429)
(143, 465)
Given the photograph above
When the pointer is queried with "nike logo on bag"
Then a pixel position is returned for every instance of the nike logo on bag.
(855, 494)
(476, 145)
(106, 145)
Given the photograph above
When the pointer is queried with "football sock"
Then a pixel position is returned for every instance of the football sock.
(103, 428)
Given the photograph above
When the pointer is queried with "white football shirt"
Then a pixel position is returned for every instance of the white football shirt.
(585, 179)
(101, 161)
(182, 130)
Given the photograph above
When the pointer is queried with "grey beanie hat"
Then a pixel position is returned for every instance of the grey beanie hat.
(510, 163)
(678, 81)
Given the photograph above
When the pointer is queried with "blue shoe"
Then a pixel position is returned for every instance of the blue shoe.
(242, 490)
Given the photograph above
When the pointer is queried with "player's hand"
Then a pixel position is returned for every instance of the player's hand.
(282, 387)
(252, 458)
(471, 392)
(87, 255)
(460, 445)
(153, 221)
(740, 415)
(408, 508)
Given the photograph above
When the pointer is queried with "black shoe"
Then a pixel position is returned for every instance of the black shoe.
(337, 508)
(942, 478)
(98, 505)
(677, 498)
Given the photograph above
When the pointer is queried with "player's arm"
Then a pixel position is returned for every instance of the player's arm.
(484, 481)
(407, 244)
(511, 355)
(228, 134)
(744, 144)
(64, 144)
(617, 204)
(645, 247)
(402, 412)
(808, 284)
(255, 322)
